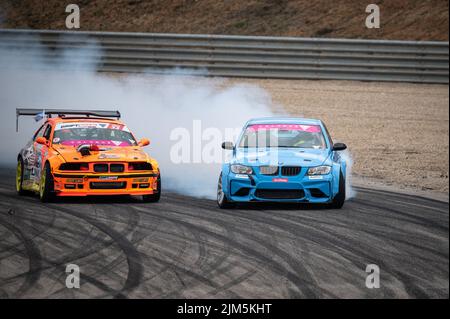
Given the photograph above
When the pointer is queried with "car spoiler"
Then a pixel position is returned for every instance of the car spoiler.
(41, 113)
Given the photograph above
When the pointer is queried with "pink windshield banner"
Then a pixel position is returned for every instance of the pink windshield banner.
(96, 142)
(293, 127)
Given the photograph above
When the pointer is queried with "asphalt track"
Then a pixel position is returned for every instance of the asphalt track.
(186, 247)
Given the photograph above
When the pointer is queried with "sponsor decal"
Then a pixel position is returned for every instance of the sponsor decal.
(115, 126)
(74, 180)
(65, 126)
(96, 142)
(291, 127)
(108, 178)
(108, 156)
(29, 157)
(242, 176)
(280, 180)
(316, 177)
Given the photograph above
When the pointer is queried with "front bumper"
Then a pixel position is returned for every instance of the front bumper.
(71, 184)
(291, 189)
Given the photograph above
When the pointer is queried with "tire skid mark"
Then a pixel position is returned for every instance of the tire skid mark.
(407, 231)
(81, 249)
(434, 204)
(351, 252)
(52, 264)
(212, 269)
(422, 220)
(354, 254)
(135, 269)
(174, 254)
(130, 228)
(109, 292)
(18, 215)
(302, 279)
(43, 235)
(272, 247)
(34, 258)
(245, 215)
(200, 263)
(205, 274)
(377, 232)
(95, 244)
(203, 267)
(189, 273)
(277, 267)
(233, 282)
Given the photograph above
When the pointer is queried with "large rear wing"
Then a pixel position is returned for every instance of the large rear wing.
(62, 113)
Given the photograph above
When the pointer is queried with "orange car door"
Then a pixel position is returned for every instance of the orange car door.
(41, 152)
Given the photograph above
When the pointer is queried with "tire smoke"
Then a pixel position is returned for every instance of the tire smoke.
(177, 111)
(152, 106)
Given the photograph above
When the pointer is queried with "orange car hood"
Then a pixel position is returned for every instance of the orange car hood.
(109, 154)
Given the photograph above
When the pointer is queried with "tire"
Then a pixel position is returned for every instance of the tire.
(222, 201)
(19, 178)
(154, 198)
(339, 199)
(46, 185)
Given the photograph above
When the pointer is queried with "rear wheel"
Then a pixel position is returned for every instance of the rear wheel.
(19, 178)
(222, 199)
(46, 186)
(339, 199)
(153, 198)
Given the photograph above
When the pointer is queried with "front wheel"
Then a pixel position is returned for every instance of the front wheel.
(153, 198)
(46, 186)
(339, 199)
(222, 200)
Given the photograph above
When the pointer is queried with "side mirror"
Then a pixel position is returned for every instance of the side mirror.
(41, 140)
(227, 146)
(144, 142)
(339, 147)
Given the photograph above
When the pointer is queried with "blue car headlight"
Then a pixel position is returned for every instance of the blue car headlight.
(319, 170)
(241, 169)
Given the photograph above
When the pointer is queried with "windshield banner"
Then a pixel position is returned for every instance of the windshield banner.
(74, 125)
(289, 127)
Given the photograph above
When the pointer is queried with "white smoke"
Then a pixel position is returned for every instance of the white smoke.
(152, 106)
(350, 192)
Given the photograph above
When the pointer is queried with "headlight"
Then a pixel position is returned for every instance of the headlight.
(241, 169)
(319, 170)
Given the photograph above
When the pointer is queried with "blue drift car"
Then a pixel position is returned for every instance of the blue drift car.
(283, 160)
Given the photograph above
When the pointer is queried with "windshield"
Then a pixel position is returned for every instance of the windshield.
(283, 135)
(107, 134)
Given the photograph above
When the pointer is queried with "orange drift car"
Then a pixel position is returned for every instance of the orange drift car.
(80, 153)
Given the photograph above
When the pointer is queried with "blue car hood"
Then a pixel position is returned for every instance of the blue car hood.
(282, 156)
